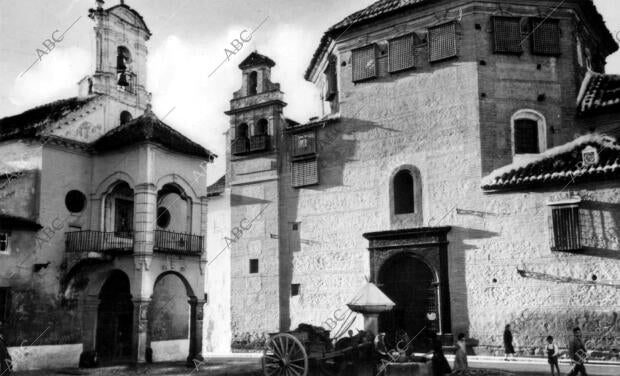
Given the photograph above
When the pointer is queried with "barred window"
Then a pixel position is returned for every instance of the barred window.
(304, 143)
(545, 36)
(564, 227)
(364, 63)
(507, 35)
(305, 172)
(4, 242)
(526, 136)
(5, 303)
(442, 41)
(401, 54)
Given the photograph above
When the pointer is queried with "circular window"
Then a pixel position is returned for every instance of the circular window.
(75, 201)
(163, 217)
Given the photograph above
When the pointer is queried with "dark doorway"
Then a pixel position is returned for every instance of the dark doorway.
(123, 217)
(115, 320)
(410, 283)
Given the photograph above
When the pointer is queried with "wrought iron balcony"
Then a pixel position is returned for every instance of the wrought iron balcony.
(259, 142)
(122, 242)
(240, 146)
(174, 242)
(98, 242)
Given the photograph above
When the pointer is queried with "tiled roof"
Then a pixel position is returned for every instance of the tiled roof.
(14, 222)
(600, 93)
(560, 165)
(255, 59)
(149, 128)
(383, 8)
(32, 122)
(217, 188)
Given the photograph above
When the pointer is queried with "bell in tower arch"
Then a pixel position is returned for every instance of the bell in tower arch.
(122, 80)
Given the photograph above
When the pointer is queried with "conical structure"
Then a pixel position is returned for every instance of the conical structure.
(370, 299)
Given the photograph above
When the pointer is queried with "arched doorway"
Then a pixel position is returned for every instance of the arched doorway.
(115, 320)
(410, 283)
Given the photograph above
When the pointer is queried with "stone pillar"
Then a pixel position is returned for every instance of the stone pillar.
(195, 330)
(90, 308)
(140, 325)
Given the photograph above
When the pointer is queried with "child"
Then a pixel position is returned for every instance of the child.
(552, 355)
(460, 358)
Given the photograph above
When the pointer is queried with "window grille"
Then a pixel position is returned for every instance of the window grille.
(565, 228)
(442, 41)
(507, 35)
(364, 63)
(304, 172)
(545, 36)
(526, 136)
(401, 54)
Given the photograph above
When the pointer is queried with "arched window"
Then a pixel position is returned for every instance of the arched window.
(242, 130)
(252, 83)
(261, 127)
(126, 117)
(403, 193)
(529, 134)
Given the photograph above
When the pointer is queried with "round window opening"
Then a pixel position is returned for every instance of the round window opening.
(163, 217)
(75, 201)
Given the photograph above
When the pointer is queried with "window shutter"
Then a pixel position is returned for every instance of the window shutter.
(545, 36)
(304, 172)
(442, 41)
(565, 228)
(364, 63)
(507, 35)
(526, 136)
(401, 53)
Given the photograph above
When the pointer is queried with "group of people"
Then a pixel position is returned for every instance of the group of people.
(576, 351)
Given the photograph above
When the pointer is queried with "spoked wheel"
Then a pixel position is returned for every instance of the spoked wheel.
(284, 355)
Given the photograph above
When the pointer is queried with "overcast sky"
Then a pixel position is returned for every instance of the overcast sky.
(188, 43)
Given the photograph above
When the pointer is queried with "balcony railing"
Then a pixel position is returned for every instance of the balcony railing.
(259, 142)
(240, 146)
(100, 242)
(122, 242)
(174, 242)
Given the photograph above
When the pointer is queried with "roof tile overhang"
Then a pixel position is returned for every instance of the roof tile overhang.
(217, 188)
(12, 222)
(256, 59)
(149, 128)
(599, 94)
(559, 166)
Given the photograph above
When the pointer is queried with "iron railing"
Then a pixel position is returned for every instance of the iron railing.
(98, 241)
(240, 146)
(174, 242)
(259, 143)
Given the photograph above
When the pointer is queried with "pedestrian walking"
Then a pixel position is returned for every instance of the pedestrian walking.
(509, 349)
(6, 365)
(460, 356)
(440, 363)
(578, 354)
(553, 354)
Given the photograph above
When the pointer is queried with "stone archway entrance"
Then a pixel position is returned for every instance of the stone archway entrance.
(115, 320)
(410, 283)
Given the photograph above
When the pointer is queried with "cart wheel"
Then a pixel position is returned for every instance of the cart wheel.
(284, 355)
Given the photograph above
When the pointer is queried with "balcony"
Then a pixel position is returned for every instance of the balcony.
(122, 242)
(240, 146)
(259, 143)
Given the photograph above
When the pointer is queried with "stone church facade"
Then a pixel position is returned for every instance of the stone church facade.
(103, 219)
(451, 166)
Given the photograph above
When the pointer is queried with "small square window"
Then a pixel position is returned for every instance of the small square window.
(364, 61)
(442, 41)
(295, 289)
(507, 35)
(253, 266)
(305, 172)
(296, 226)
(4, 242)
(545, 36)
(401, 54)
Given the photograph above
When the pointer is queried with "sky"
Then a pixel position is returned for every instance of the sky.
(188, 44)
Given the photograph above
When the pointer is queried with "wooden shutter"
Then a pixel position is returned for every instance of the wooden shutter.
(442, 41)
(364, 63)
(401, 53)
(305, 172)
(545, 36)
(565, 228)
(507, 35)
(526, 136)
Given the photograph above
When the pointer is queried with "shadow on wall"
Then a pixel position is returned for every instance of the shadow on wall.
(600, 222)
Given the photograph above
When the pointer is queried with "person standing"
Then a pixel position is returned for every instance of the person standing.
(578, 354)
(440, 364)
(460, 357)
(553, 354)
(6, 367)
(508, 347)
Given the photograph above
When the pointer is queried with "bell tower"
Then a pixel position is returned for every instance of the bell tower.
(120, 55)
